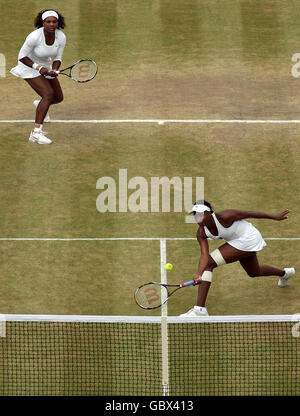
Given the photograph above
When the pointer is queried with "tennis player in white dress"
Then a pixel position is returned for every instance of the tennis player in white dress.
(37, 68)
(243, 241)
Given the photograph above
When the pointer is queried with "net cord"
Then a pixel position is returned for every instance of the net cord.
(148, 319)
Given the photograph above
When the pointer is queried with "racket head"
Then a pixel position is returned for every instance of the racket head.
(151, 295)
(84, 70)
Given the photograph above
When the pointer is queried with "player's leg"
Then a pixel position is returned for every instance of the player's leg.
(58, 95)
(230, 254)
(51, 93)
(251, 265)
(199, 309)
(254, 269)
(44, 89)
(224, 254)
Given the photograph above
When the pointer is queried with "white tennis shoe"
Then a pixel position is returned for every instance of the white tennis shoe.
(47, 117)
(283, 280)
(195, 311)
(39, 137)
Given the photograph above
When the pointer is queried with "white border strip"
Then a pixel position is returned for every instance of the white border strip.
(158, 121)
(148, 319)
(129, 239)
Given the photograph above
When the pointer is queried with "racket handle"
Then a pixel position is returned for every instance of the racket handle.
(189, 283)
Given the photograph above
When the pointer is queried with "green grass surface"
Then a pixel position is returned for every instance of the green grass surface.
(158, 59)
(51, 193)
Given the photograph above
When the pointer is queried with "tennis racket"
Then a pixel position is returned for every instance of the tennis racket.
(82, 71)
(153, 295)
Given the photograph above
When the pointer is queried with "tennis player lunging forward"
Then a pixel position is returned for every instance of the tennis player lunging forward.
(34, 65)
(243, 241)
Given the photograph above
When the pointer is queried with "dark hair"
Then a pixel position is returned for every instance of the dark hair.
(203, 202)
(38, 22)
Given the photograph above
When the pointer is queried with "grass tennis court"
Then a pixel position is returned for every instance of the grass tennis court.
(193, 60)
(159, 60)
(41, 276)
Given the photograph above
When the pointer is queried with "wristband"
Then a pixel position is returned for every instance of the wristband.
(35, 66)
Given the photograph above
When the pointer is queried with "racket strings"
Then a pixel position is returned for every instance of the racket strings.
(151, 296)
(84, 71)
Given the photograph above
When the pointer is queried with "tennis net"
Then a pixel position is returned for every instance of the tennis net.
(132, 356)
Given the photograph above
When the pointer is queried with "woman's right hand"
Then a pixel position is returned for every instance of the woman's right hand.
(197, 279)
(43, 71)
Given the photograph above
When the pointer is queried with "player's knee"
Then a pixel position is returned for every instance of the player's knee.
(211, 264)
(58, 99)
(48, 95)
(207, 276)
(253, 274)
(216, 258)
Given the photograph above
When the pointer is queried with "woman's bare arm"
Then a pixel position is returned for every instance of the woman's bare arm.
(203, 261)
(231, 215)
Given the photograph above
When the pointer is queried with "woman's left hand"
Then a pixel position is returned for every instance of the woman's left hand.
(282, 216)
(52, 73)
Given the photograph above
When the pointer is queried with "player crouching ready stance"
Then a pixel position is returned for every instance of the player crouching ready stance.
(243, 241)
(34, 66)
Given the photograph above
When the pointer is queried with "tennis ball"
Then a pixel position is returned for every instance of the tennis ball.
(169, 266)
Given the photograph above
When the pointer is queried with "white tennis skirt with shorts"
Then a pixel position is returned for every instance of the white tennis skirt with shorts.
(24, 71)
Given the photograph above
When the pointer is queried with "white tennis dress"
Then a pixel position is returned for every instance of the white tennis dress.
(241, 235)
(38, 51)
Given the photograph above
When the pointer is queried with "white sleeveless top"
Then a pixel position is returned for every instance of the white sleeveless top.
(241, 235)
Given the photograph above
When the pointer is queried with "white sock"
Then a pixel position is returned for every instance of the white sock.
(200, 308)
(38, 129)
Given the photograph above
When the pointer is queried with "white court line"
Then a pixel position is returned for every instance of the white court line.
(130, 239)
(160, 121)
(163, 274)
